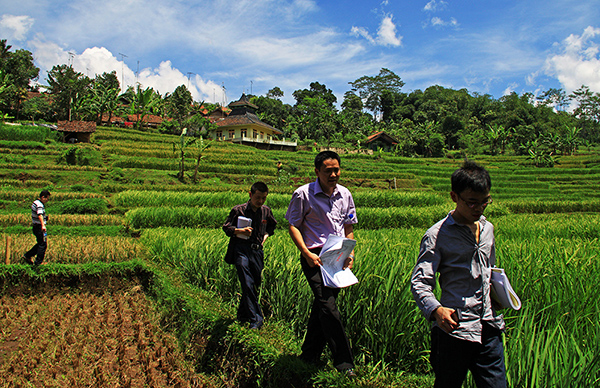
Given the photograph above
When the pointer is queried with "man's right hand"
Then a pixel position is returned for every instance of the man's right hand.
(312, 259)
(247, 231)
(446, 318)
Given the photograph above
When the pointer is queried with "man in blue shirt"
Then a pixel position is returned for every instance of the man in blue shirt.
(467, 331)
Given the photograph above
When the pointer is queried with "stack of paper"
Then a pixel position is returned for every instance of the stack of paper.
(243, 222)
(502, 292)
(333, 255)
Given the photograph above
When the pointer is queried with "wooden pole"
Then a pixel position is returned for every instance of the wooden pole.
(8, 240)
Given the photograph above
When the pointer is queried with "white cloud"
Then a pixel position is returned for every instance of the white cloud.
(97, 60)
(386, 34)
(15, 27)
(361, 31)
(577, 62)
(510, 89)
(439, 22)
(434, 5)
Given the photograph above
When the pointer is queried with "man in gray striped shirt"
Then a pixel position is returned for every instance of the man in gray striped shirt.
(466, 332)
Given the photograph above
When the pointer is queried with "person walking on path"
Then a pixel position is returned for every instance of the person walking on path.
(317, 210)
(245, 250)
(466, 333)
(39, 219)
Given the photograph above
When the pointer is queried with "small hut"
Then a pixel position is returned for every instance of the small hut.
(76, 131)
(381, 140)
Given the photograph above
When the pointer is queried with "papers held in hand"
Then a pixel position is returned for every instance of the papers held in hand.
(242, 223)
(502, 292)
(333, 256)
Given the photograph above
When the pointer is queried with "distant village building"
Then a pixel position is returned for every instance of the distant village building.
(76, 131)
(243, 126)
(151, 121)
(381, 140)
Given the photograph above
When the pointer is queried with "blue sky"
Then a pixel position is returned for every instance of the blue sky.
(221, 49)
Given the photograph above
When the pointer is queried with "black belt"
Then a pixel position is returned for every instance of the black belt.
(254, 246)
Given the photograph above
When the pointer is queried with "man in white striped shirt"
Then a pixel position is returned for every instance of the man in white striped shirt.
(38, 221)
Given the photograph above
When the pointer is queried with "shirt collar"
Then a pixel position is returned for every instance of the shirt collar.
(452, 221)
(319, 190)
(249, 207)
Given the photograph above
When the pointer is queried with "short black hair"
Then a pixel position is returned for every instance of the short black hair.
(325, 155)
(44, 193)
(471, 176)
(259, 186)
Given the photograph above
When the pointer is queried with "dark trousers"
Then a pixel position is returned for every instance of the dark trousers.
(39, 249)
(249, 264)
(325, 323)
(451, 358)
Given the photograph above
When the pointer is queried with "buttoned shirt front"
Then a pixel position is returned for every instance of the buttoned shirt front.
(263, 222)
(317, 215)
(464, 267)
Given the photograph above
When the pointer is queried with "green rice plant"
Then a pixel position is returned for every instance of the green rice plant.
(550, 206)
(24, 133)
(12, 183)
(56, 196)
(50, 167)
(22, 145)
(551, 273)
(377, 199)
(82, 206)
(197, 253)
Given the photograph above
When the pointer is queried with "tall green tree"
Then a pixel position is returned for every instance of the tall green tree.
(19, 68)
(371, 88)
(180, 104)
(276, 92)
(318, 91)
(68, 88)
(272, 111)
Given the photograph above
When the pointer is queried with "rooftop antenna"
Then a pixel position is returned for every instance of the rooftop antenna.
(188, 74)
(224, 94)
(71, 55)
(122, 70)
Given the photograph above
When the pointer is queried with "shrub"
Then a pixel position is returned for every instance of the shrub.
(81, 156)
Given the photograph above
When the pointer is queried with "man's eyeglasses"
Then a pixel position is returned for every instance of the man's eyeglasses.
(473, 204)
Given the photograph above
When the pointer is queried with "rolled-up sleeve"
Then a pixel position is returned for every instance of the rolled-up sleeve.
(295, 211)
(422, 282)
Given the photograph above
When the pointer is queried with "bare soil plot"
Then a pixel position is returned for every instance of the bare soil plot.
(88, 340)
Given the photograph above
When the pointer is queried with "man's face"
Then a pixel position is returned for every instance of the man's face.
(44, 199)
(257, 199)
(328, 174)
(469, 205)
